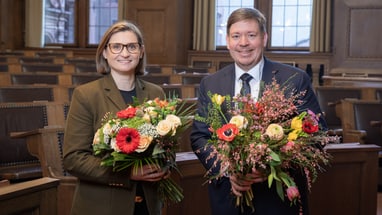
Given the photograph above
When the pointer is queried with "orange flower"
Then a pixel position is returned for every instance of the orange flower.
(228, 132)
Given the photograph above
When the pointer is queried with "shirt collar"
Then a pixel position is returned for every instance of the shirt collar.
(256, 72)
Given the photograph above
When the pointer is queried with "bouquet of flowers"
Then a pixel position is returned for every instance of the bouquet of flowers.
(268, 135)
(145, 134)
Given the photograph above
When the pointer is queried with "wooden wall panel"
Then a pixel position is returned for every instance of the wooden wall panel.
(166, 26)
(356, 34)
(364, 38)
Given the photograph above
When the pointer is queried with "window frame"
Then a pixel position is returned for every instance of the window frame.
(265, 6)
(81, 29)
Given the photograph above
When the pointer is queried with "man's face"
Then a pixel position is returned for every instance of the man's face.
(246, 43)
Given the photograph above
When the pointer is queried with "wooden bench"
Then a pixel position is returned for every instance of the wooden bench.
(16, 163)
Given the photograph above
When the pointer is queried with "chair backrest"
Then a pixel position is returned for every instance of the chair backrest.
(34, 79)
(156, 79)
(23, 117)
(378, 94)
(19, 117)
(329, 96)
(42, 67)
(26, 94)
(364, 114)
(78, 78)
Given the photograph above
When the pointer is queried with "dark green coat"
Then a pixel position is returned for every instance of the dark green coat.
(101, 191)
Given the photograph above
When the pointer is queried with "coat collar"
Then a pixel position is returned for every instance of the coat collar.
(114, 95)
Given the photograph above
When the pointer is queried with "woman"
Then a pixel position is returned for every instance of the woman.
(121, 58)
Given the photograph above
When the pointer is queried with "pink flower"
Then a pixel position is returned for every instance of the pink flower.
(288, 146)
(292, 193)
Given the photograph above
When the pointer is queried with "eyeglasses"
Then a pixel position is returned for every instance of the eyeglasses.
(117, 48)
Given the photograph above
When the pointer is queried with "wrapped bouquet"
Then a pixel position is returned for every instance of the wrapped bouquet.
(145, 134)
(268, 135)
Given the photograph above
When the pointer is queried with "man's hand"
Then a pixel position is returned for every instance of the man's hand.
(242, 183)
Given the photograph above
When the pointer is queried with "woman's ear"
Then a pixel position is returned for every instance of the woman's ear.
(104, 54)
(142, 52)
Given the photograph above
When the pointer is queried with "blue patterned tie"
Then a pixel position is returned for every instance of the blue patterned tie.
(245, 89)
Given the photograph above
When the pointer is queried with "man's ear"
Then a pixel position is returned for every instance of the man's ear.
(265, 39)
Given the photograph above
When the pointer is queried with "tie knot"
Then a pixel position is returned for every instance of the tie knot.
(246, 77)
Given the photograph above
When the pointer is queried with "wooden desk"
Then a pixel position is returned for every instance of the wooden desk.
(349, 185)
(36, 197)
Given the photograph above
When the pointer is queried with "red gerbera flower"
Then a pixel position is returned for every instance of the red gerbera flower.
(127, 113)
(127, 140)
(309, 127)
(228, 132)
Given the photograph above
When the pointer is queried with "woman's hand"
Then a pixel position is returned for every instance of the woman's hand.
(150, 173)
(241, 183)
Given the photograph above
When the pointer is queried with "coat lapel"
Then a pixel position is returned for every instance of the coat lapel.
(112, 92)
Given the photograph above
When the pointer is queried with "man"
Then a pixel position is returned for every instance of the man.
(246, 41)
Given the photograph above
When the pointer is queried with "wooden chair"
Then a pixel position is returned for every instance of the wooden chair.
(378, 94)
(193, 78)
(172, 90)
(16, 163)
(151, 69)
(38, 60)
(42, 67)
(189, 70)
(33, 93)
(46, 144)
(30, 78)
(86, 68)
(201, 64)
(81, 78)
(328, 97)
(156, 78)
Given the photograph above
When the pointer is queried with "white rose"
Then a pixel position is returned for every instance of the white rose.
(174, 120)
(240, 121)
(164, 127)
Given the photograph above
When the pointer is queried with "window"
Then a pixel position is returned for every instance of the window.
(101, 15)
(291, 20)
(59, 22)
(289, 25)
(60, 27)
(223, 10)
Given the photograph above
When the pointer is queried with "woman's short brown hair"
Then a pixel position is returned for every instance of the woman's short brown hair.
(121, 26)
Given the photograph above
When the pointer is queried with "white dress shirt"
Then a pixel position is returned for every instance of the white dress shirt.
(256, 72)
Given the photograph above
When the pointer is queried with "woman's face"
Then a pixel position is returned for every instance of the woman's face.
(246, 43)
(128, 58)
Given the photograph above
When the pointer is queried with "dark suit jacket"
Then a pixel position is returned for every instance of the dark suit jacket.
(223, 83)
(101, 191)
